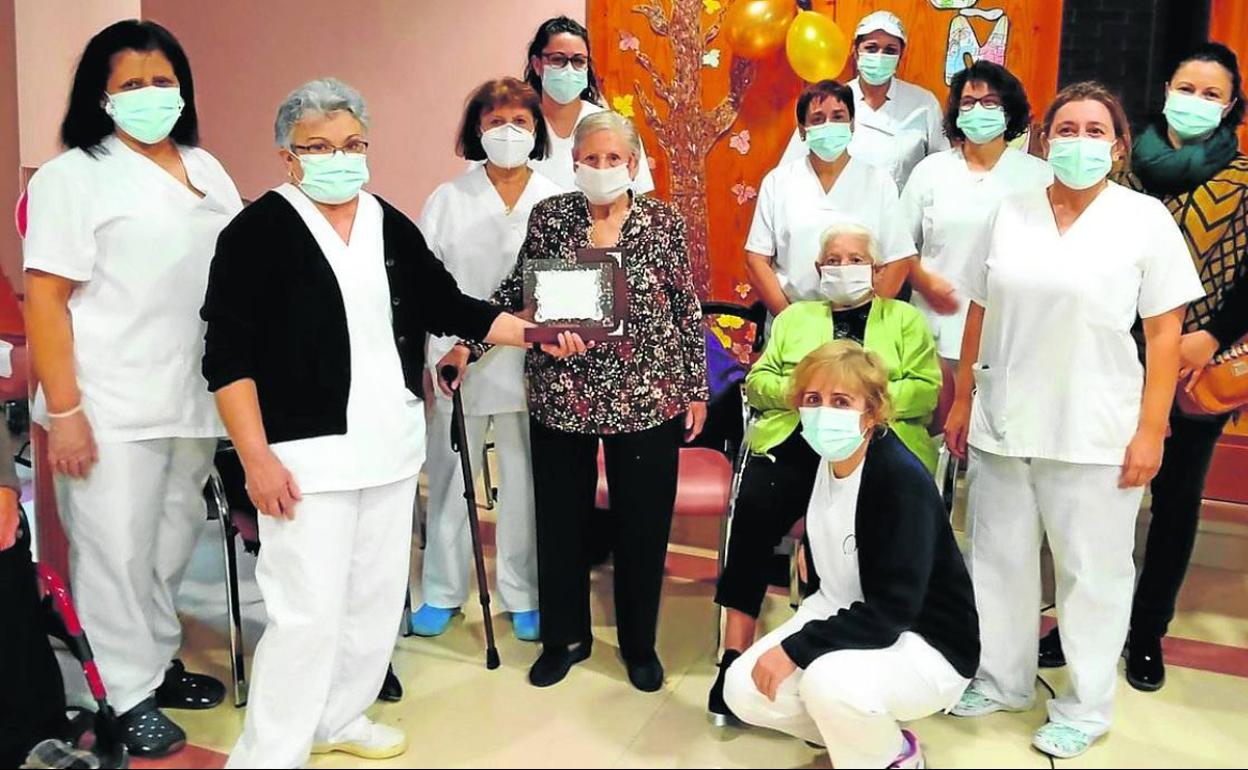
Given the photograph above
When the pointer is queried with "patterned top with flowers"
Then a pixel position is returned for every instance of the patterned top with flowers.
(632, 385)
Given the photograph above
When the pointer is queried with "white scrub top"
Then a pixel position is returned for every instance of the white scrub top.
(905, 130)
(948, 209)
(385, 438)
(557, 166)
(139, 244)
(831, 523)
(468, 227)
(1058, 376)
(793, 211)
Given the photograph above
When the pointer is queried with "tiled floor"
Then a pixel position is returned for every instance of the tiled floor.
(458, 714)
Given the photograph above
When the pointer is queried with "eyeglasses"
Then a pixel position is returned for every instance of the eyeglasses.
(560, 60)
(991, 102)
(353, 147)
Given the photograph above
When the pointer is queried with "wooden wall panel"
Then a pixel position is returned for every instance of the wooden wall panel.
(1228, 23)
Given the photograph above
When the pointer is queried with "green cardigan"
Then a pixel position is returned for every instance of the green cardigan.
(896, 331)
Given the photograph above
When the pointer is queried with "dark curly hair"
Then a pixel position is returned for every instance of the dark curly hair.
(1220, 54)
(999, 79)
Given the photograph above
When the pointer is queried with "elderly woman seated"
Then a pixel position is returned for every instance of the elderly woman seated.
(318, 303)
(634, 397)
(779, 474)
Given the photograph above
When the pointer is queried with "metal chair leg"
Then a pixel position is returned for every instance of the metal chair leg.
(233, 609)
(491, 495)
(407, 612)
(795, 590)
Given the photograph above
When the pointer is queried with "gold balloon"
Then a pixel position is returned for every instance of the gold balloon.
(816, 47)
(756, 28)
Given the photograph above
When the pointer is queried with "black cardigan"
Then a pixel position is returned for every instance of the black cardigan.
(276, 316)
(912, 573)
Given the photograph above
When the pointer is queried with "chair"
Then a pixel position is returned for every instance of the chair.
(239, 520)
(946, 464)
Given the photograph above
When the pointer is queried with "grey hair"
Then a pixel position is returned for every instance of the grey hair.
(607, 120)
(852, 229)
(317, 97)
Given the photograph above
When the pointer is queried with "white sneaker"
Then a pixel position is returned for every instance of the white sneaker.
(975, 704)
(367, 740)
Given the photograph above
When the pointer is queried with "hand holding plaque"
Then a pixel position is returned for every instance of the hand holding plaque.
(588, 297)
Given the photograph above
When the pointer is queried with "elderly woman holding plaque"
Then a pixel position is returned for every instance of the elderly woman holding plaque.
(612, 267)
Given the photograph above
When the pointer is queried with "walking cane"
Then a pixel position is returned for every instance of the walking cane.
(459, 441)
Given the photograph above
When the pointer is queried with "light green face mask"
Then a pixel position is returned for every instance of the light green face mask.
(877, 68)
(1080, 162)
(148, 114)
(564, 84)
(335, 178)
(1192, 117)
(828, 140)
(980, 124)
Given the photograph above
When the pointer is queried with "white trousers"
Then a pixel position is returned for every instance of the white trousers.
(1090, 522)
(448, 564)
(851, 700)
(333, 580)
(132, 524)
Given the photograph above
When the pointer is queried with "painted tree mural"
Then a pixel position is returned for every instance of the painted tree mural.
(688, 131)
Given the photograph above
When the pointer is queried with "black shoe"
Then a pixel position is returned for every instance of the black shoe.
(1146, 669)
(555, 662)
(645, 672)
(148, 733)
(1051, 655)
(391, 688)
(721, 715)
(184, 690)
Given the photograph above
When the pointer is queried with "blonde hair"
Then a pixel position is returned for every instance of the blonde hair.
(855, 230)
(857, 369)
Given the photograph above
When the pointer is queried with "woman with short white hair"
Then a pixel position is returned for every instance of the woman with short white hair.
(779, 474)
(636, 397)
(319, 299)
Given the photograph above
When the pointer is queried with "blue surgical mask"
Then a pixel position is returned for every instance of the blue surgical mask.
(1080, 162)
(834, 434)
(828, 140)
(564, 84)
(334, 178)
(981, 124)
(148, 114)
(1192, 117)
(877, 68)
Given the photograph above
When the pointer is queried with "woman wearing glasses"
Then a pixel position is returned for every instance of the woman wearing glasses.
(951, 195)
(560, 69)
(319, 299)
(898, 123)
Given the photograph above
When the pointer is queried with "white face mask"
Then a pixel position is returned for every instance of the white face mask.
(508, 146)
(845, 285)
(602, 185)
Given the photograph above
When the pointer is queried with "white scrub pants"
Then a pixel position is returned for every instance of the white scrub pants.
(1090, 523)
(132, 524)
(448, 543)
(333, 580)
(851, 700)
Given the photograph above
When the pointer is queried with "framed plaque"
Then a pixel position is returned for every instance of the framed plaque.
(588, 296)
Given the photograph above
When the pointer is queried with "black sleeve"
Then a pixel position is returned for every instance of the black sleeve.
(444, 309)
(230, 307)
(1230, 323)
(896, 550)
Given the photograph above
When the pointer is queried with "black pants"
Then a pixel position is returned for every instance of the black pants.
(32, 694)
(774, 494)
(1177, 494)
(641, 473)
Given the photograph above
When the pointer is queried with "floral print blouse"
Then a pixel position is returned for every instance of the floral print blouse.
(627, 386)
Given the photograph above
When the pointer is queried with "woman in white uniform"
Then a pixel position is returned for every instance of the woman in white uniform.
(799, 200)
(1065, 427)
(121, 231)
(898, 124)
(319, 297)
(890, 633)
(475, 224)
(561, 69)
(952, 195)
